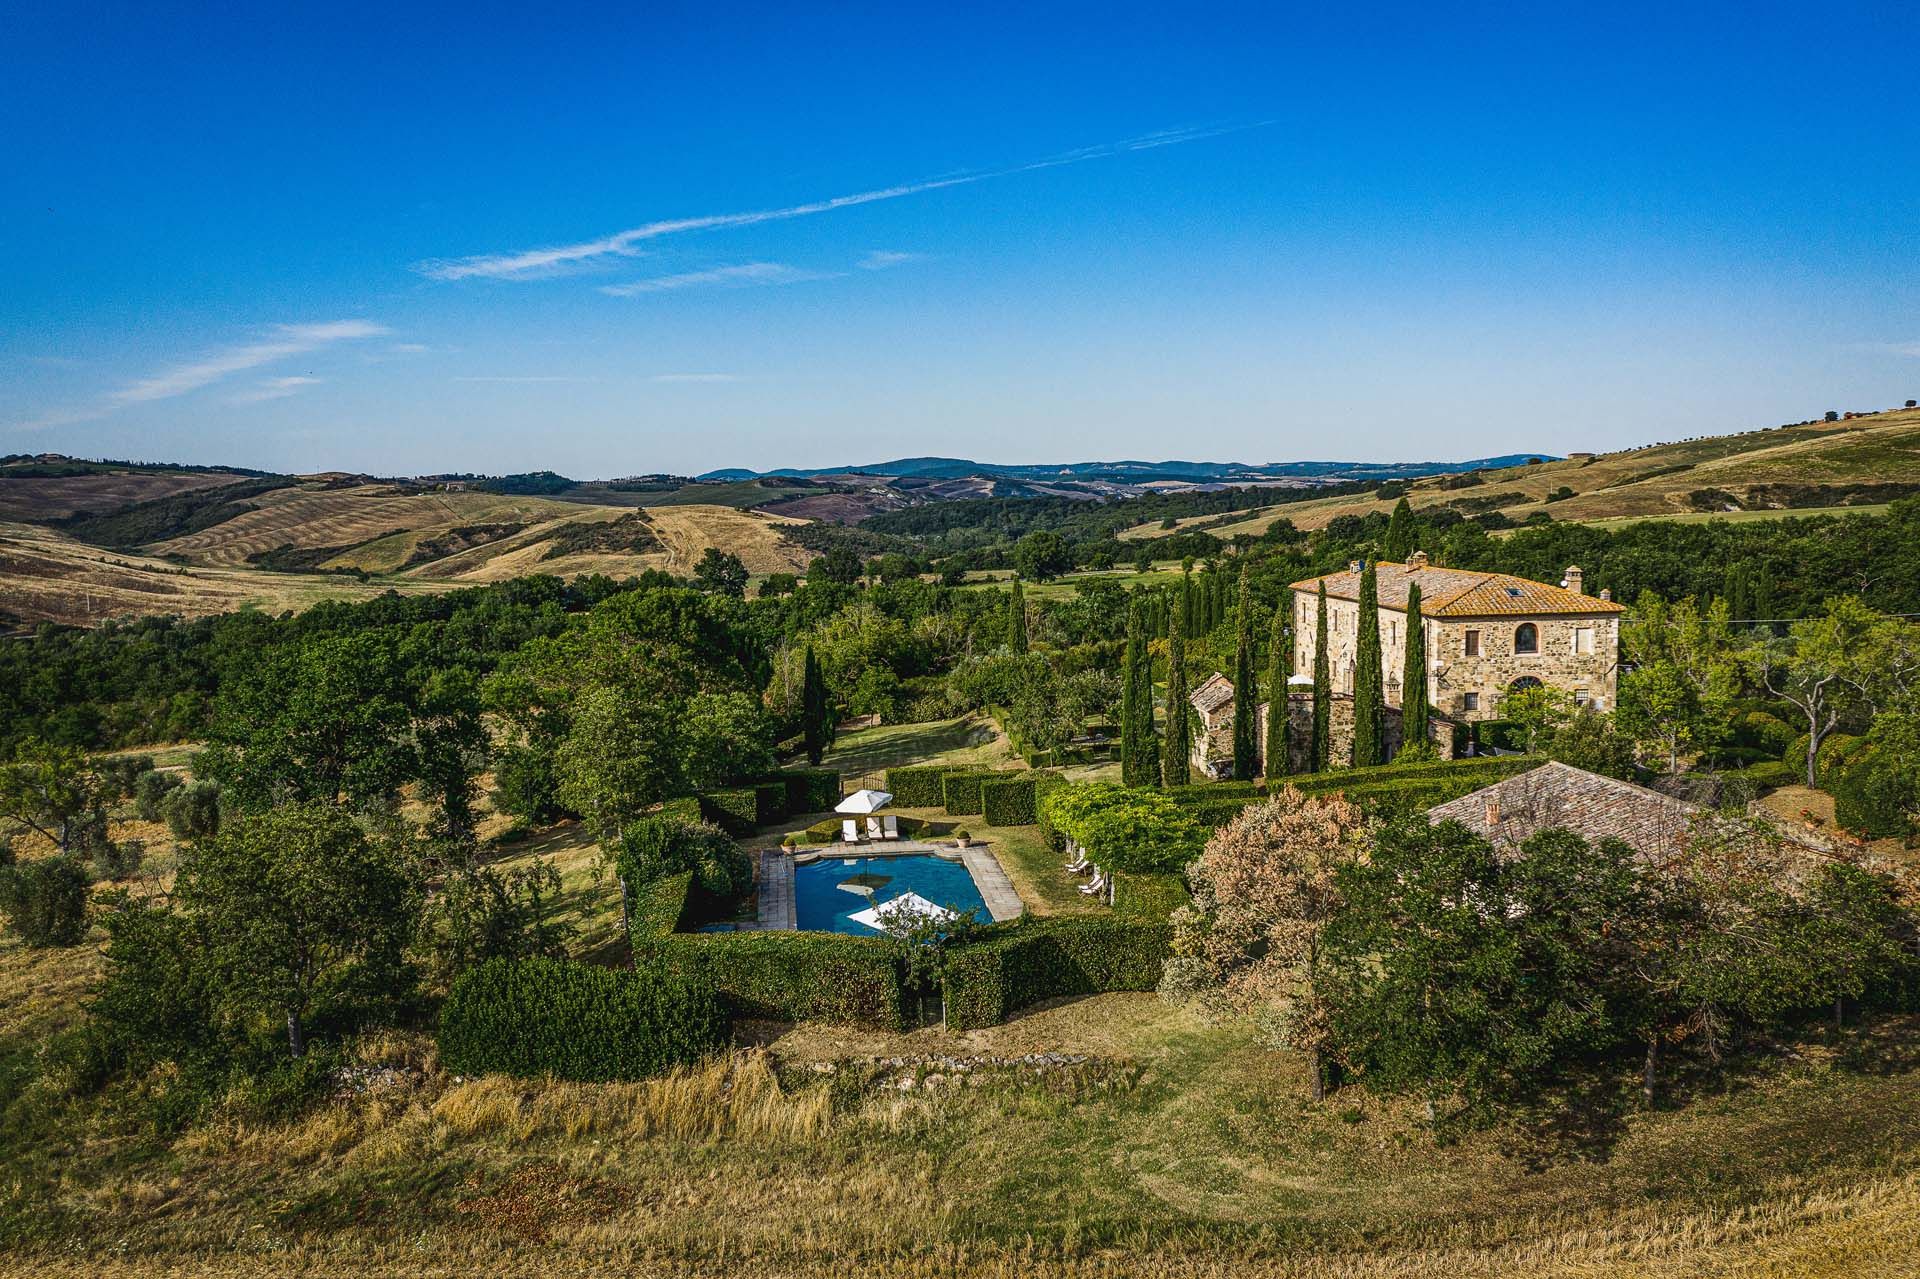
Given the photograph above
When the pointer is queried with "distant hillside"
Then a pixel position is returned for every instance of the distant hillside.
(1864, 460)
(1135, 472)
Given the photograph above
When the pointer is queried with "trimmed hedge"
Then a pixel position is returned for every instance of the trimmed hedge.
(811, 790)
(1771, 775)
(1029, 960)
(1383, 789)
(738, 810)
(656, 909)
(960, 792)
(686, 808)
(534, 1017)
(1011, 801)
(790, 976)
(1872, 797)
(919, 786)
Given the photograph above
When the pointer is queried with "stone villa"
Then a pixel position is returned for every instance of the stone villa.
(1487, 635)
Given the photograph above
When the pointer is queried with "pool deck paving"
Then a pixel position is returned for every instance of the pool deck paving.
(778, 912)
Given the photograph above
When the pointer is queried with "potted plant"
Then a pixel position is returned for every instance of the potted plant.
(961, 838)
(789, 845)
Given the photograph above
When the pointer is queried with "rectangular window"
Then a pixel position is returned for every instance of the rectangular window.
(1470, 701)
(1581, 697)
(1583, 639)
(1473, 643)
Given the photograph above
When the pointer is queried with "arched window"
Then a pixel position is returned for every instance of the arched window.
(1524, 683)
(1526, 638)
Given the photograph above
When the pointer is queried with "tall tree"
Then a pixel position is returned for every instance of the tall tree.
(1369, 705)
(1017, 618)
(1415, 711)
(298, 903)
(1850, 659)
(1401, 533)
(1187, 619)
(1147, 736)
(1321, 756)
(816, 726)
(1176, 759)
(1246, 690)
(1275, 753)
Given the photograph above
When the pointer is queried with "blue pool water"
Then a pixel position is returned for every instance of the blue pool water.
(821, 905)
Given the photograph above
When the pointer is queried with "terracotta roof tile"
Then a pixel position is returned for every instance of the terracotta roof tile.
(1458, 592)
(1216, 691)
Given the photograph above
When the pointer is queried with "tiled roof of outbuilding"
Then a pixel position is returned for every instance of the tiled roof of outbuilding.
(1216, 691)
(1458, 592)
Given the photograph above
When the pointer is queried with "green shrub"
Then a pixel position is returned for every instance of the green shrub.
(534, 1017)
(1150, 897)
(114, 860)
(46, 900)
(918, 786)
(193, 811)
(1835, 751)
(1762, 730)
(685, 809)
(1021, 963)
(1770, 774)
(1010, 801)
(960, 792)
(150, 793)
(790, 976)
(122, 773)
(654, 847)
(1872, 797)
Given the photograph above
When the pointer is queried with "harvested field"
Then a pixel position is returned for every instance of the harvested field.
(53, 498)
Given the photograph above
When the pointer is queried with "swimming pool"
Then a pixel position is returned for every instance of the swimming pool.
(821, 905)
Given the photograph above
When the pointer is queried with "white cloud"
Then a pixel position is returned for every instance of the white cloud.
(694, 377)
(407, 348)
(275, 388)
(287, 340)
(281, 342)
(533, 264)
(744, 275)
(881, 259)
(536, 377)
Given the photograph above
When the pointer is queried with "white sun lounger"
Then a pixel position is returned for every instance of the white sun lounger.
(889, 827)
(873, 828)
(1097, 884)
(850, 831)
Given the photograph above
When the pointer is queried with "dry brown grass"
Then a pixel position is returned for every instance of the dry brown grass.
(53, 498)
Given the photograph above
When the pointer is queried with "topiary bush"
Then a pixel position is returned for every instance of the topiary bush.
(1770, 774)
(736, 810)
(46, 900)
(534, 1017)
(1874, 798)
(918, 786)
(1017, 964)
(1763, 731)
(809, 790)
(654, 847)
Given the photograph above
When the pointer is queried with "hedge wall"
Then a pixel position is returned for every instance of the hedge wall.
(739, 809)
(658, 908)
(790, 976)
(687, 809)
(1010, 801)
(533, 1017)
(918, 786)
(960, 792)
(1024, 962)
(811, 790)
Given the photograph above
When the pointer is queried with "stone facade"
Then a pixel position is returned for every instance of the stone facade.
(1486, 634)
(1213, 744)
(1559, 796)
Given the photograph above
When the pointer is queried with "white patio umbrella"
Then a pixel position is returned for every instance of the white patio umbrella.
(901, 913)
(864, 801)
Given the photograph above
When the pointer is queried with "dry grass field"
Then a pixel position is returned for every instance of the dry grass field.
(1646, 482)
(29, 498)
(46, 576)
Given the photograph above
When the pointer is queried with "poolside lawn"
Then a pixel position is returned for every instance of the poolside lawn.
(863, 756)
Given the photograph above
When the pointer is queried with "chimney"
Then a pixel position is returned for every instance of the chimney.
(1417, 560)
(1606, 592)
(1353, 566)
(1493, 810)
(1573, 579)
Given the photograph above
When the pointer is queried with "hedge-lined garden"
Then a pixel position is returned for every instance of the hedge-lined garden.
(1005, 797)
(739, 810)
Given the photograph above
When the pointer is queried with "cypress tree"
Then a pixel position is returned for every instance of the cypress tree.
(1017, 619)
(1246, 691)
(1139, 749)
(1369, 709)
(816, 725)
(1322, 752)
(1415, 712)
(1401, 533)
(1186, 596)
(1276, 757)
(1175, 761)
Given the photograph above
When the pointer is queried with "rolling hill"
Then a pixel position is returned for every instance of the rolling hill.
(1864, 460)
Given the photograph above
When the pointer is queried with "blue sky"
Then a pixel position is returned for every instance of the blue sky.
(679, 238)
